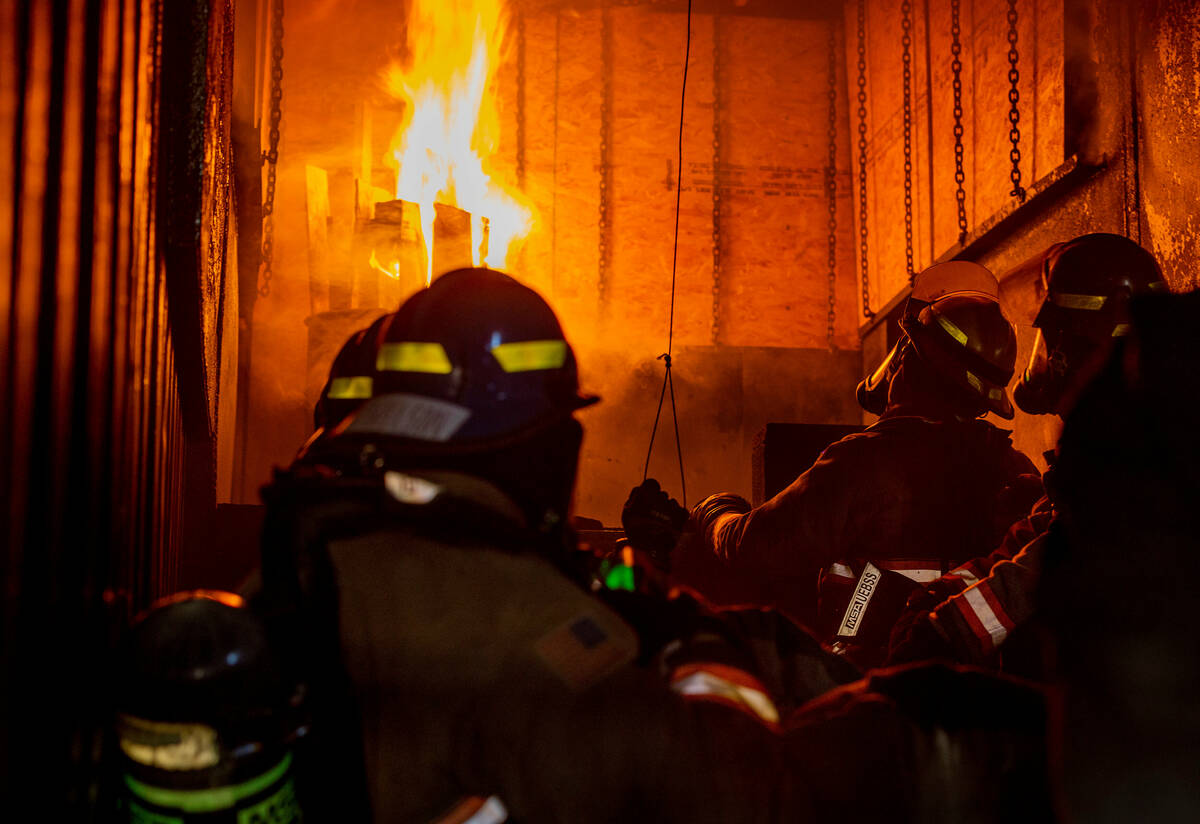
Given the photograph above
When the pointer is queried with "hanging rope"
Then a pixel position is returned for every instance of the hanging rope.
(906, 42)
(862, 159)
(831, 186)
(668, 383)
(960, 177)
(1014, 95)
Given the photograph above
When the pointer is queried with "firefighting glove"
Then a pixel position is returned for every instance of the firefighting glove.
(653, 521)
(918, 639)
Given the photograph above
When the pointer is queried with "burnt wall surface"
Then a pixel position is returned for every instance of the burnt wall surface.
(112, 297)
(1128, 166)
(1167, 82)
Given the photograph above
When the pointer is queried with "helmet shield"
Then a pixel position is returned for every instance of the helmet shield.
(954, 277)
(872, 391)
(1043, 382)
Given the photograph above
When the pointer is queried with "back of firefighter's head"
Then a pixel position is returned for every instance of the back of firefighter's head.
(1086, 287)
(957, 361)
(474, 375)
(933, 284)
(204, 708)
(351, 380)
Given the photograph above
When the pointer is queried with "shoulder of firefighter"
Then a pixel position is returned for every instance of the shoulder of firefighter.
(624, 706)
(918, 738)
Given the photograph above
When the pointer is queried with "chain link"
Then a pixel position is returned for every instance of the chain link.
(1014, 95)
(554, 173)
(521, 101)
(716, 181)
(605, 245)
(862, 159)
(831, 185)
(960, 177)
(906, 42)
(271, 157)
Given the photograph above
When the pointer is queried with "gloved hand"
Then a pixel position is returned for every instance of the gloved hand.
(653, 521)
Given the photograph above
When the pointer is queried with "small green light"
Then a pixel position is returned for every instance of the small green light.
(620, 577)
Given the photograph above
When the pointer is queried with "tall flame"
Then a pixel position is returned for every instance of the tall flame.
(451, 125)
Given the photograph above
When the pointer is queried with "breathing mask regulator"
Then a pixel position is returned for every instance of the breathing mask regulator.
(1086, 285)
(955, 277)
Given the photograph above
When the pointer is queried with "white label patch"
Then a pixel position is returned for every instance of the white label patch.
(410, 416)
(493, 811)
(857, 607)
(410, 490)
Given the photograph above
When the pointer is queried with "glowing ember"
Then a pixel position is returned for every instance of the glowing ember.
(451, 126)
(393, 273)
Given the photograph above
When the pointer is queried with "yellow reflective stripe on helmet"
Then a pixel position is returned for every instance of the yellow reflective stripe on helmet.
(410, 356)
(991, 392)
(1068, 301)
(351, 389)
(956, 333)
(531, 355)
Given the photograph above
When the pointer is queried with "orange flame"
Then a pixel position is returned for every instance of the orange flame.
(393, 273)
(451, 125)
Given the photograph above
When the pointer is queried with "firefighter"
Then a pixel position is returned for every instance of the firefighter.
(1117, 594)
(926, 487)
(1087, 285)
(419, 567)
(205, 722)
(351, 377)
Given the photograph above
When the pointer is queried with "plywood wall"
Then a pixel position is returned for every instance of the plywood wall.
(985, 86)
(773, 286)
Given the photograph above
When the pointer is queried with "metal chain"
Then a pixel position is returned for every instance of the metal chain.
(605, 246)
(1014, 95)
(271, 156)
(862, 159)
(521, 101)
(716, 182)
(554, 173)
(831, 186)
(960, 176)
(906, 41)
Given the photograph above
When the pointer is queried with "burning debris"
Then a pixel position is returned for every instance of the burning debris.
(450, 131)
